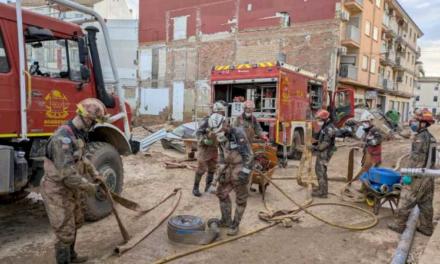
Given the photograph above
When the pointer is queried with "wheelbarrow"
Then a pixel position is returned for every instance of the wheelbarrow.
(265, 162)
(380, 186)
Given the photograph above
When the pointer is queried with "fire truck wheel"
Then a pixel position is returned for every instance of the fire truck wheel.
(108, 162)
(294, 153)
(13, 197)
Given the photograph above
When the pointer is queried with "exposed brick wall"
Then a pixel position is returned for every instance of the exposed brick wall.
(307, 45)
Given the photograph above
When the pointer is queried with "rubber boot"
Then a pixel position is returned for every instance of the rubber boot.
(396, 227)
(197, 179)
(62, 253)
(425, 231)
(322, 191)
(239, 211)
(226, 211)
(74, 257)
(209, 179)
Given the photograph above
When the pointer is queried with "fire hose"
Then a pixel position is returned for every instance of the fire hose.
(279, 219)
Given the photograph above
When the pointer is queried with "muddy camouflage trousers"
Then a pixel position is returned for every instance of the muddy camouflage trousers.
(420, 192)
(321, 164)
(64, 208)
(228, 182)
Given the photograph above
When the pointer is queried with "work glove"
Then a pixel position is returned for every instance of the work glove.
(243, 175)
(208, 142)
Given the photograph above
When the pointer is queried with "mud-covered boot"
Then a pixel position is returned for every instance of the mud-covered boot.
(425, 231)
(62, 253)
(396, 227)
(226, 211)
(234, 229)
(239, 211)
(209, 180)
(74, 257)
(197, 179)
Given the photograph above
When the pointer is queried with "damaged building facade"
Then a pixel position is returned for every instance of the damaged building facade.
(181, 41)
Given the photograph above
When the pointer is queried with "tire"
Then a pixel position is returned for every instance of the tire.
(296, 141)
(108, 162)
(13, 197)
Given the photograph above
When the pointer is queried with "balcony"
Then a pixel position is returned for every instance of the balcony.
(391, 27)
(388, 84)
(388, 58)
(348, 71)
(352, 37)
(354, 6)
(398, 66)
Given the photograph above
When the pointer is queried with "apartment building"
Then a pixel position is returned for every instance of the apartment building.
(381, 54)
(366, 45)
(427, 94)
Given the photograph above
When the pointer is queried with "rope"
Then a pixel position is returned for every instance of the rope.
(304, 208)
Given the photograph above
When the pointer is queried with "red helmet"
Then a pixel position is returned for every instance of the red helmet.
(425, 116)
(322, 114)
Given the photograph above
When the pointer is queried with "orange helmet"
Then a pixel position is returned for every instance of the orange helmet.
(322, 114)
(93, 109)
(425, 116)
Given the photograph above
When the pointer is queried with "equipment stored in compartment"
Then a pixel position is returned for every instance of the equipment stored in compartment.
(6, 169)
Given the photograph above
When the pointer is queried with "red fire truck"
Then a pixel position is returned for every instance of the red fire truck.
(45, 70)
(285, 97)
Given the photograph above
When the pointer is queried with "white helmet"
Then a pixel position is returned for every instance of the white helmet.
(366, 117)
(215, 122)
(218, 107)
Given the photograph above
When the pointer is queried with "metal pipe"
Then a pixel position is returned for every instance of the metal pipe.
(420, 172)
(406, 238)
(21, 69)
(86, 10)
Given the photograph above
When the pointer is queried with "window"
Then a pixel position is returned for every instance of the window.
(179, 31)
(436, 88)
(410, 33)
(4, 64)
(418, 88)
(435, 98)
(378, 3)
(417, 98)
(373, 66)
(367, 28)
(364, 62)
(375, 33)
(406, 79)
(54, 58)
(408, 56)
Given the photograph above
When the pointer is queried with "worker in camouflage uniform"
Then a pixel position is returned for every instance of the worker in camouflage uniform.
(249, 122)
(235, 167)
(418, 190)
(373, 144)
(206, 151)
(64, 184)
(324, 148)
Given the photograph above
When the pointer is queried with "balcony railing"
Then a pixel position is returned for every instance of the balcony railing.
(354, 6)
(388, 84)
(348, 71)
(353, 34)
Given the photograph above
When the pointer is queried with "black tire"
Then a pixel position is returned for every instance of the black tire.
(294, 153)
(108, 162)
(13, 197)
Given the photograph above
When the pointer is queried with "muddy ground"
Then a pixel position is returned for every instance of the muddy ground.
(26, 237)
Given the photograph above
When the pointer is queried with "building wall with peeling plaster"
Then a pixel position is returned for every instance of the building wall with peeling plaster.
(229, 32)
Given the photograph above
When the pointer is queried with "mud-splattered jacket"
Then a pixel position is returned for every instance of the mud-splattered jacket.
(237, 150)
(250, 125)
(205, 152)
(423, 143)
(64, 161)
(326, 141)
(373, 144)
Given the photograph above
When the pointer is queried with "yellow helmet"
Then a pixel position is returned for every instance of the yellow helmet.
(93, 109)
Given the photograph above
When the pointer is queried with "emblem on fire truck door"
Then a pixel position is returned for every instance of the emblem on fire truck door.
(284, 84)
(57, 106)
